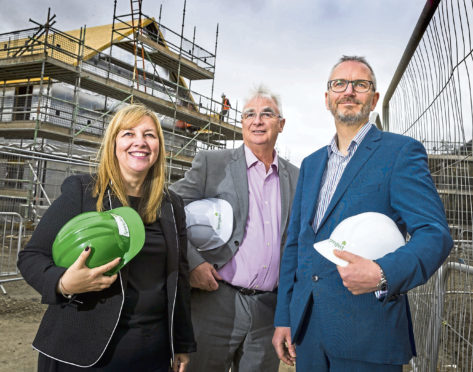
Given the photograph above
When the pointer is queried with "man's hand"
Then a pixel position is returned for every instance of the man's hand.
(360, 275)
(205, 277)
(283, 345)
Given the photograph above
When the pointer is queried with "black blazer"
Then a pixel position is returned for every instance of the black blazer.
(78, 332)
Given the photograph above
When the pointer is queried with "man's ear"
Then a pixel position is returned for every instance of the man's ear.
(375, 100)
(282, 123)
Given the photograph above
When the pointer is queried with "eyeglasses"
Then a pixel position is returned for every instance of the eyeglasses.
(265, 115)
(341, 85)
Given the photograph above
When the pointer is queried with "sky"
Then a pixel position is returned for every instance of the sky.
(288, 46)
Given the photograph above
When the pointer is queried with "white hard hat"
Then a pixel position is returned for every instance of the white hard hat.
(209, 223)
(370, 235)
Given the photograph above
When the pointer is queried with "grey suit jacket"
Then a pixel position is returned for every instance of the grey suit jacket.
(222, 174)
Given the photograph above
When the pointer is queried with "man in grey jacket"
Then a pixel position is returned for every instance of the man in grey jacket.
(235, 285)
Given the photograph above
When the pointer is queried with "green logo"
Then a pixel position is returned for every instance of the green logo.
(338, 245)
(219, 219)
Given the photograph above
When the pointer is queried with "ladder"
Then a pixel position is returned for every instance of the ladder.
(137, 27)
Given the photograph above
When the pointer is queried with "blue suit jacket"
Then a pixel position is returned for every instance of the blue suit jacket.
(388, 174)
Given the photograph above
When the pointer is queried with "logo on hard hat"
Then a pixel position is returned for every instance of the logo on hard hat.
(121, 224)
(338, 245)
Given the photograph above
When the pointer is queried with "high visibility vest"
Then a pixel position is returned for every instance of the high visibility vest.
(226, 104)
(182, 124)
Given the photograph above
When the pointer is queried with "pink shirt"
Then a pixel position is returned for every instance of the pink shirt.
(256, 263)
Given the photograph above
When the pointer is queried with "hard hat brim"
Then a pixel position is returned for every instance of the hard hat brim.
(370, 235)
(325, 248)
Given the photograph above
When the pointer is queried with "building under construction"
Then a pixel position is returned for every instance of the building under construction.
(58, 90)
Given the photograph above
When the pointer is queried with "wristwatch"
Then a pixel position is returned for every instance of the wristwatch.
(383, 283)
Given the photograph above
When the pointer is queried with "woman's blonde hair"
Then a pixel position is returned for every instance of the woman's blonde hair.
(109, 175)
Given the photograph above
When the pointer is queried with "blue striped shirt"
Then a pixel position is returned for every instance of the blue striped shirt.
(336, 165)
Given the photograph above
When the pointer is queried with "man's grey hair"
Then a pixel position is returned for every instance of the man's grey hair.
(263, 92)
(355, 59)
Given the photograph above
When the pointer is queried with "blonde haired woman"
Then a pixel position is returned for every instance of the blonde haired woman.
(138, 319)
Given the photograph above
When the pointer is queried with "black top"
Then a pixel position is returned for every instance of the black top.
(79, 331)
(145, 295)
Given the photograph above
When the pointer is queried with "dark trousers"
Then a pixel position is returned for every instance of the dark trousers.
(233, 330)
(313, 356)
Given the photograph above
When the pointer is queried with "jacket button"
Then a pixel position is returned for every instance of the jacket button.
(315, 278)
(215, 266)
(236, 242)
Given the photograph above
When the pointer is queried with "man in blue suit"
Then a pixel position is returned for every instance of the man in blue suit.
(357, 318)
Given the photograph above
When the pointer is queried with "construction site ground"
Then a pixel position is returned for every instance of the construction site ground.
(20, 314)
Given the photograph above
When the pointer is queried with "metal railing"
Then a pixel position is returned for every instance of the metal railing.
(11, 242)
(30, 180)
(90, 117)
(430, 98)
(52, 109)
(172, 39)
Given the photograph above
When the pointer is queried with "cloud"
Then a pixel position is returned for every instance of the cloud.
(288, 45)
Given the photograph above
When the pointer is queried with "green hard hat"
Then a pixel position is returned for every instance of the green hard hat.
(110, 234)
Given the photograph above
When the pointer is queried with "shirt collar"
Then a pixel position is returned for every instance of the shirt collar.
(251, 158)
(360, 135)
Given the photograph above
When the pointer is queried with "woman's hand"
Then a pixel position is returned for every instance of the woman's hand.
(180, 363)
(78, 278)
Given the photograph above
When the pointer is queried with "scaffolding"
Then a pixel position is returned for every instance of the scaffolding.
(59, 89)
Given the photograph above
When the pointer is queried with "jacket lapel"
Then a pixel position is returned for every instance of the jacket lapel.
(240, 179)
(166, 219)
(284, 191)
(314, 185)
(365, 150)
(168, 227)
